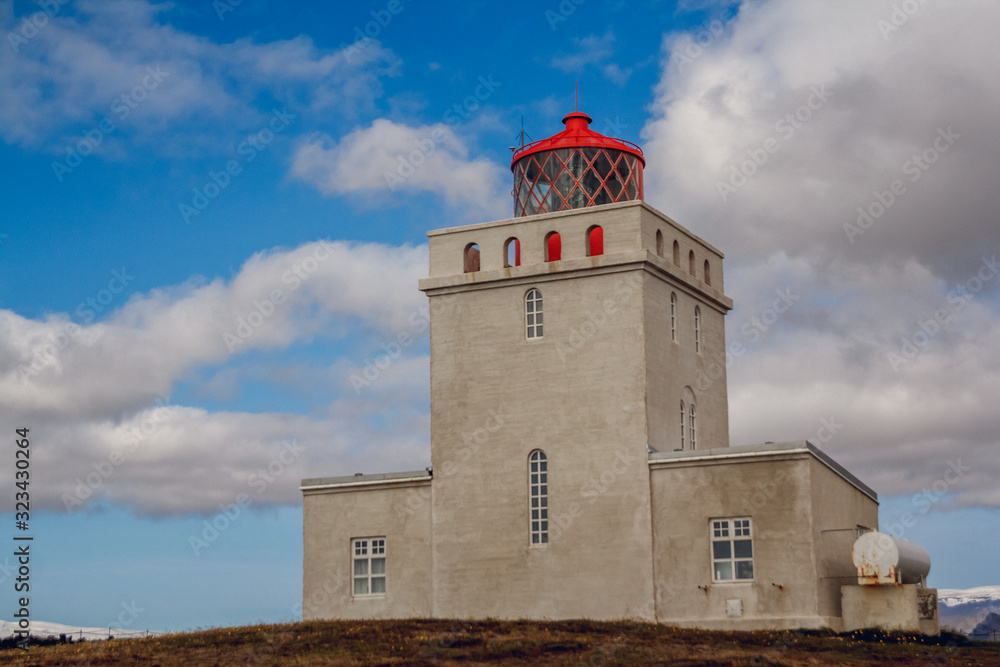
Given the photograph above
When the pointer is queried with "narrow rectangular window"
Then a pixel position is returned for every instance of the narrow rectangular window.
(691, 426)
(369, 569)
(538, 497)
(673, 317)
(533, 314)
(697, 330)
(732, 549)
(682, 427)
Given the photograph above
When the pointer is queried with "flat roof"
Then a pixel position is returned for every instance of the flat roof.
(761, 450)
(364, 480)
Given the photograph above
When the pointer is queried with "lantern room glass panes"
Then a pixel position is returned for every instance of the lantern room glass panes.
(568, 178)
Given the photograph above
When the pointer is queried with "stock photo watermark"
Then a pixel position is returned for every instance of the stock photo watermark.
(258, 481)
(407, 164)
(753, 329)
(786, 128)
(562, 12)
(932, 325)
(900, 16)
(914, 167)
(694, 45)
(248, 149)
(265, 308)
(136, 434)
(33, 23)
(122, 107)
(47, 354)
(381, 18)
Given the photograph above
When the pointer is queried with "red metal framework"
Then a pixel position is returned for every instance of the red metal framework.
(575, 168)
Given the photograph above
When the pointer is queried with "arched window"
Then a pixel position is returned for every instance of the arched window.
(691, 425)
(538, 497)
(677, 253)
(595, 241)
(659, 243)
(708, 273)
(682, 426)
(533, 313)
(687, 413)
(512, 252)
(553, 247)
(691, 262)
(471, 259)
(673, 316)
(697, 329)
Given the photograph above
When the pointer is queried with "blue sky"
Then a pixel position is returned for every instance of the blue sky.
(201, 247)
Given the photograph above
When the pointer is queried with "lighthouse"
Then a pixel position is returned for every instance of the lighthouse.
(580, 457)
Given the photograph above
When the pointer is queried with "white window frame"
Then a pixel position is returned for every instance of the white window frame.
(681, 448)
(691, 432)
(697, 329)
(673, 316)
(368, 567)
(538, 498)
(730, 539)
(533, 325)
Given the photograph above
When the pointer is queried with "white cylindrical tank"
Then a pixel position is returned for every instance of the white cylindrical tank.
(884, 559)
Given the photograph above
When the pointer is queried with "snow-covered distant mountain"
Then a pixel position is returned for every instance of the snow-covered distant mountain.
(963, 610)
(43, 629)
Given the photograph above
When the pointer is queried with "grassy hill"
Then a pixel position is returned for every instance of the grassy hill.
(441, 642)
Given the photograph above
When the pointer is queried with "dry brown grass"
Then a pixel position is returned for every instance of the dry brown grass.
(441, 642)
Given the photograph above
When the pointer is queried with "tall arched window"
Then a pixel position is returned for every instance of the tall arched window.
(553, 247)
(659, 243)
(691, 425)
(595, 241)
(708, 273)
(682, 426)
(471, 258)
(533, 314)
(673, 316)
(697, 329)
(691, 262)
(677, 253)
(538, 497)
(512, 252)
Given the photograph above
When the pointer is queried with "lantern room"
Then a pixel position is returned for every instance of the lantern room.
(575, 168)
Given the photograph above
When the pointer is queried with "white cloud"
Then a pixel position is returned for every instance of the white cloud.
(94, 396)
(388, 156)
(879, 96)
(74, 70)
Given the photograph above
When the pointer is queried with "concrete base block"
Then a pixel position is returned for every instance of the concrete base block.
(907, 608)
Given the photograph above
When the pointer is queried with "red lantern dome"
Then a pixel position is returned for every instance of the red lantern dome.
(574, 169)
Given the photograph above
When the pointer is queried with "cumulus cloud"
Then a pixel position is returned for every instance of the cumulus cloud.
(92, 61)
(847, 152)
(95, 393)
(389, 157)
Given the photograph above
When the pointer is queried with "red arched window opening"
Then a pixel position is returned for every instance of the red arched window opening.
(595, 241)
(471, 260)
(512, 252)
(553, 247)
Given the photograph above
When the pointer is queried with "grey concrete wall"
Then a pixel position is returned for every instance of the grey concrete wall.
(332, 518)
(838, 509)
(775, 493)
(578, 394)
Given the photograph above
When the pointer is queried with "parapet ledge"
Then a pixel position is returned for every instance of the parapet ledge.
(747, 453)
